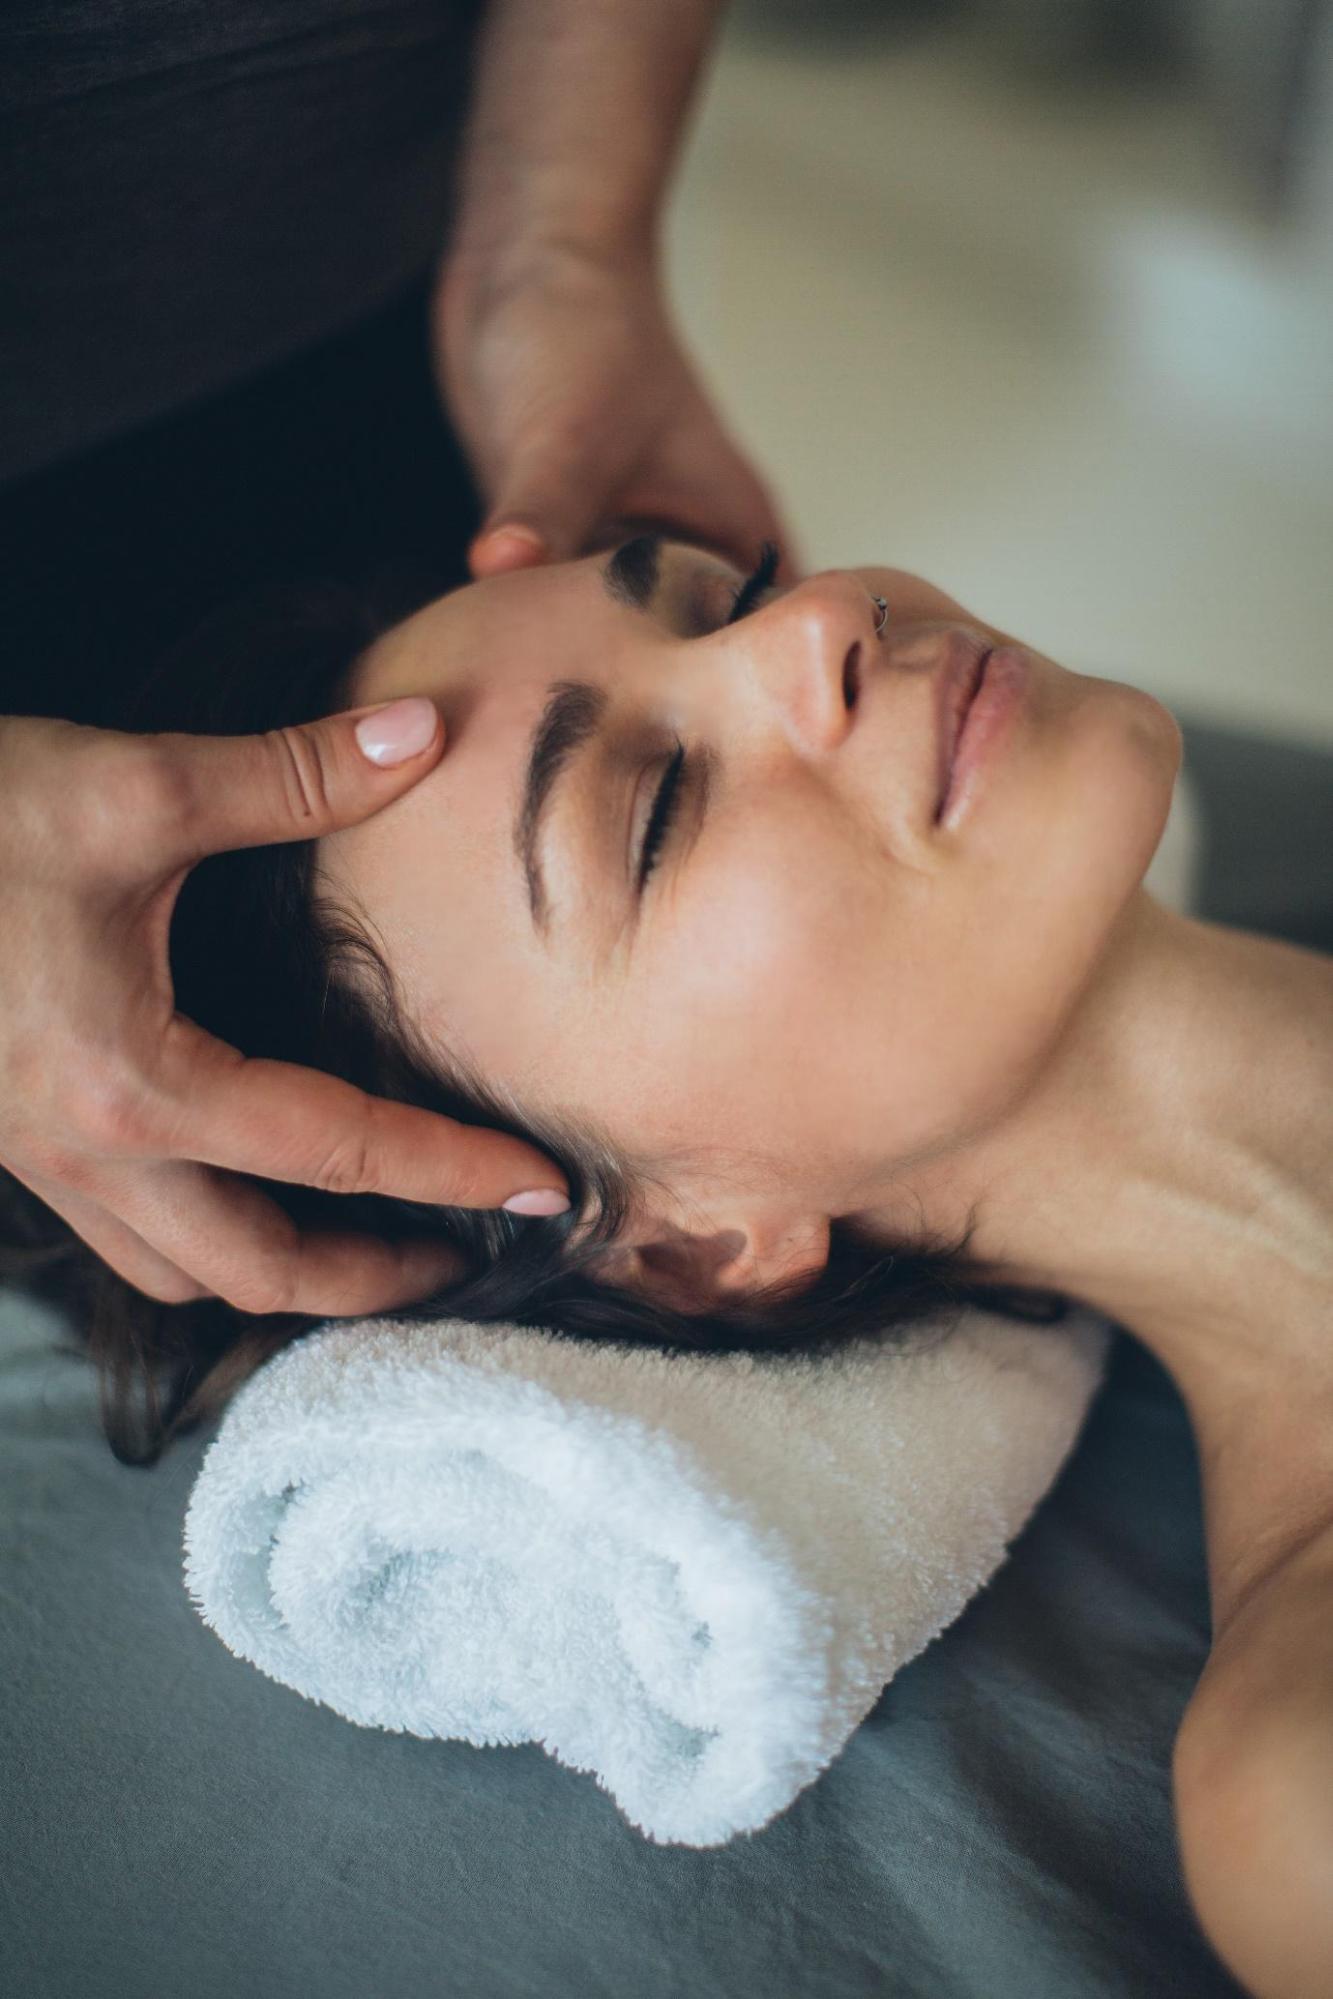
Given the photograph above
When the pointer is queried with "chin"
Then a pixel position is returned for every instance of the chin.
(1156, 748)
(1124, 750)
(1093, 822)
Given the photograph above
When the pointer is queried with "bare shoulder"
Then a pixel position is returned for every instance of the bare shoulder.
(1253, 1780)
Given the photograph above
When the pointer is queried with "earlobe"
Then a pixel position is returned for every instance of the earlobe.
(778, 1250)
(689, 1270)
(691, 1264)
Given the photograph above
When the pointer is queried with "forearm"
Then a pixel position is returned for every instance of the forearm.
(577, 111)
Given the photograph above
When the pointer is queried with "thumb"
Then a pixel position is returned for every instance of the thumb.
(295, 783)
(503, 546)
(542, 513)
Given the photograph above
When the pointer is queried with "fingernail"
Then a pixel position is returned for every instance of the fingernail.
(509, 545)
(403, 729)
(541, 1201)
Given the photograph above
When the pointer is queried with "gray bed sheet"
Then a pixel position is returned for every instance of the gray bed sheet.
(176, 1826)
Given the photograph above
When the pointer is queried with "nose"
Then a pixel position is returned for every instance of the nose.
(804, 656)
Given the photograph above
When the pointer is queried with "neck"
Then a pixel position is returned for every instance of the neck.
(1173, 1167)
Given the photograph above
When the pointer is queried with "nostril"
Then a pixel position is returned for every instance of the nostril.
(851, 675)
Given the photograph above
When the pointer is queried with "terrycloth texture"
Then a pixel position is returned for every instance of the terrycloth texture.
(690, 1575)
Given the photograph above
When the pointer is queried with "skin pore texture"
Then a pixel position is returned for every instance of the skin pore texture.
(822, 1003)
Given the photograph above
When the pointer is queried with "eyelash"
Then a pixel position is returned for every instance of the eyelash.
(668, 792)
(663, 812)
(756, 582)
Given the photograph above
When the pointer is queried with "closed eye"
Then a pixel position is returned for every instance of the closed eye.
(663, 813)
(755, 584)
(661, 816)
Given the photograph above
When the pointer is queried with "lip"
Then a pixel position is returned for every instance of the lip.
(980, 693)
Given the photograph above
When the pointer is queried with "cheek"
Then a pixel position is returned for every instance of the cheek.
(834, 1005)
(1070, 850)
(1089, 824)
(771, 1001)
(813, 1001)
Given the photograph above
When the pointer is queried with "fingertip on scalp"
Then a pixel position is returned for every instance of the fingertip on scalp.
(511, 546)
(537, 1201)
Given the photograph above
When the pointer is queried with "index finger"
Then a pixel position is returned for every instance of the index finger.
(244, 1248)
(282, 1122)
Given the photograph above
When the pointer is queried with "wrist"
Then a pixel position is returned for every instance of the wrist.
(482, 269)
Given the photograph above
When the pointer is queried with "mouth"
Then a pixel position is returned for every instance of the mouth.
(958, 687)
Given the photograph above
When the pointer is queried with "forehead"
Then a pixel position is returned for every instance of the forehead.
(486, 655)
(527, 627)
(436, 872)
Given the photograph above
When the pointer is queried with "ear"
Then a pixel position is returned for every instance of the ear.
(690, 1270)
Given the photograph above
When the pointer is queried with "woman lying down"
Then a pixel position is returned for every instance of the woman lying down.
(805, 928)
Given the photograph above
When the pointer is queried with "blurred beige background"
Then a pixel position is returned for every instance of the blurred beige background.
(1042, 332)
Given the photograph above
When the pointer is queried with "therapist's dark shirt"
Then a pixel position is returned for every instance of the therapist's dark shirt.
(191, 190)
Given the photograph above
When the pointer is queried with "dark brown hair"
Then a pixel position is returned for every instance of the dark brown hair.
(262, 961)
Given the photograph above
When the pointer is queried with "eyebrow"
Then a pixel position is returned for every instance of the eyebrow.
(570, 718)
(572, 715)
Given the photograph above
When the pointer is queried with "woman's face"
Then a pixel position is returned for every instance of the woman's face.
(817, 985)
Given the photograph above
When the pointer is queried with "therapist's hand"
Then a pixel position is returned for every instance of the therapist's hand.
(127, 1118)
(580, 413)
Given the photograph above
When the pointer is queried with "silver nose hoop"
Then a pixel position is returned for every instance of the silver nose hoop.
(882, 608)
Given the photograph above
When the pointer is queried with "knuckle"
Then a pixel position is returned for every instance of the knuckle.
(174, 1288)
(135, 802)
(268, 1281)
(75, 1110)
(345, 1171)
(64, 1166)
(264, 1286)
(263, 1293)
(156, 784)
(305, 773)
(101, 806)
(346, 1168)
(104, 1108)
(39, 1157)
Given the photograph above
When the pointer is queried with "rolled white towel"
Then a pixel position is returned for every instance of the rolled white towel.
(691, 1575)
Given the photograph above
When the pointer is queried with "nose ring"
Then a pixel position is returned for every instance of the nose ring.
(881, 605)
